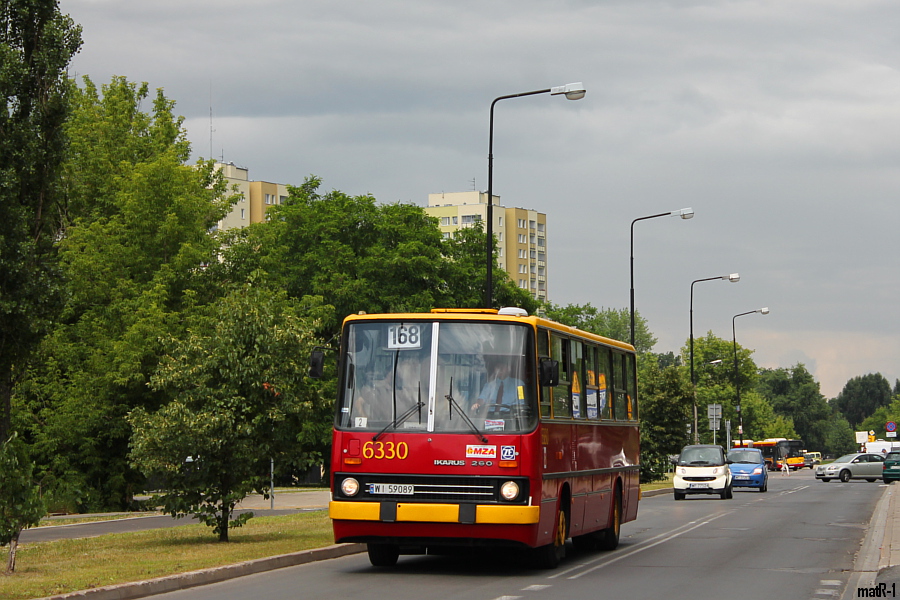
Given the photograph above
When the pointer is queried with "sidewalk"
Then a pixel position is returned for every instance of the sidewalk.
(287, 499)
(877, 565)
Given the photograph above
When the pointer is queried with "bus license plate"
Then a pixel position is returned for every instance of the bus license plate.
(399, 489)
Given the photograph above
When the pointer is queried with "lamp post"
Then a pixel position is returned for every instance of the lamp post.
(733, 278)
(684, 213)
(737, 384)
(572, 91)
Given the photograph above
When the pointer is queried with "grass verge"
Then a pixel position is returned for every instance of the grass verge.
(64, 566)
(657, 485)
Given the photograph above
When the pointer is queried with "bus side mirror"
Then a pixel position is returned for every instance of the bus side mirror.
(549, 372)
(316, 364)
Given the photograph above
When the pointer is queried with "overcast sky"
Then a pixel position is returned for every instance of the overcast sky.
(777, 122)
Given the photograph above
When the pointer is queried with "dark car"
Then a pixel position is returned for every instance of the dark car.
(890, 468)
(748, 469)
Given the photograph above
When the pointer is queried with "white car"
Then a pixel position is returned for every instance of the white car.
(702, 469)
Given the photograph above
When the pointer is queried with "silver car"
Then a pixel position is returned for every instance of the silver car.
(852, 466)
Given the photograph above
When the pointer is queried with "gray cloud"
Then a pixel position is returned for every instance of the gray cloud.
(776, 121)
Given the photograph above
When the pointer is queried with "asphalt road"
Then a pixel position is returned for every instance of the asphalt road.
(798, 540)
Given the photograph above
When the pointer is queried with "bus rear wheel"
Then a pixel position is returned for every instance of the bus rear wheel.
(608, 539)
(383, 555)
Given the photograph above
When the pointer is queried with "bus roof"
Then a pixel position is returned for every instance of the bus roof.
(487, 314)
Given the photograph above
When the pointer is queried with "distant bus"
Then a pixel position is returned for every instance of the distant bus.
(424, 458)
(779, 450)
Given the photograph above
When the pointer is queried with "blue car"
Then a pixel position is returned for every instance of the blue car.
(748, 469)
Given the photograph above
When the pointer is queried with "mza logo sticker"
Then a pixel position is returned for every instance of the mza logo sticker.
(473, 451)
(507, 453)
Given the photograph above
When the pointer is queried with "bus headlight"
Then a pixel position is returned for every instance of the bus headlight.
(350, 486)
(509, 490)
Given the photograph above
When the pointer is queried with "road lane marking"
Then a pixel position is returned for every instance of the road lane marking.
(646, 545)
(535, 588)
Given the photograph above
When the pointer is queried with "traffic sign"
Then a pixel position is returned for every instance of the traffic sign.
(890, 426)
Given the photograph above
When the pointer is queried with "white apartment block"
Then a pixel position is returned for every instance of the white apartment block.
(521, 234)
(257, 196)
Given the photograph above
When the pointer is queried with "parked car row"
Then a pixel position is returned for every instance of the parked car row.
(706, 469)
(862, 465)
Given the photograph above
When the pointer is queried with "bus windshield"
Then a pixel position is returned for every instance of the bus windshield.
(433, 376)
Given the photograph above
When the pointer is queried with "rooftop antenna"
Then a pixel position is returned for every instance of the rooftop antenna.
(211, 130)
(474, 189)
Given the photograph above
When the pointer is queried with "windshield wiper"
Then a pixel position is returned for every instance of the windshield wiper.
(399, 420)
(463, 414)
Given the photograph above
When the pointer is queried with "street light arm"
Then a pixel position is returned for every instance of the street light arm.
(573, 91)
(733, 278)
(684, 213)
(737, 384)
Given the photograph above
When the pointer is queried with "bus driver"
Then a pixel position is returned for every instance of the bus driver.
(501, 387)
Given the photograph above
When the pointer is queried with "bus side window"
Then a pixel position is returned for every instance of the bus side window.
(619, 380)
(543, 349)
(604, 383)
(591, 388)
(577, 379)
(559, 350)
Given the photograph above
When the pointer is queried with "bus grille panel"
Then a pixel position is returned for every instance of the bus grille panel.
(435, 488)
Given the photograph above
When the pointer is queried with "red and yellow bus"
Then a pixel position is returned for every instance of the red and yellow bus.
(429, 451)
(779, 450)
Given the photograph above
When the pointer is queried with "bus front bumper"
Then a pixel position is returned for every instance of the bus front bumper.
(399, 512)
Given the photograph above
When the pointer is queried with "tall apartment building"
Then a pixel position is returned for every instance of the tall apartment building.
(258, 196)
(521, 234)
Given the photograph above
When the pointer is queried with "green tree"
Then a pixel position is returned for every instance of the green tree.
(862, 396)
(758, 415)
(877, 420)
(21, 505)
(36, 44)
(361, 256)
(714, 372)
(794, 393)
(839, 436)
(132, 261)
(780, 427)
(665, 412)
(237, 380)
(609, 322)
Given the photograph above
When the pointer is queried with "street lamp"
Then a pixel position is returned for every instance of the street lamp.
(737, 384)
(572, 91)
(684, 213)
(733, 278)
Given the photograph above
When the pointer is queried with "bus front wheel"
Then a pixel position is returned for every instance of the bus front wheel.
(383, 555)
(549, 556)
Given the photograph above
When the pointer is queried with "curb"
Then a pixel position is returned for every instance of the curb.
(171, 583)
(869, 560)
(658, 492)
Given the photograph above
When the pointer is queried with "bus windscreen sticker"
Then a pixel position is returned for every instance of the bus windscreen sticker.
(494, 425)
